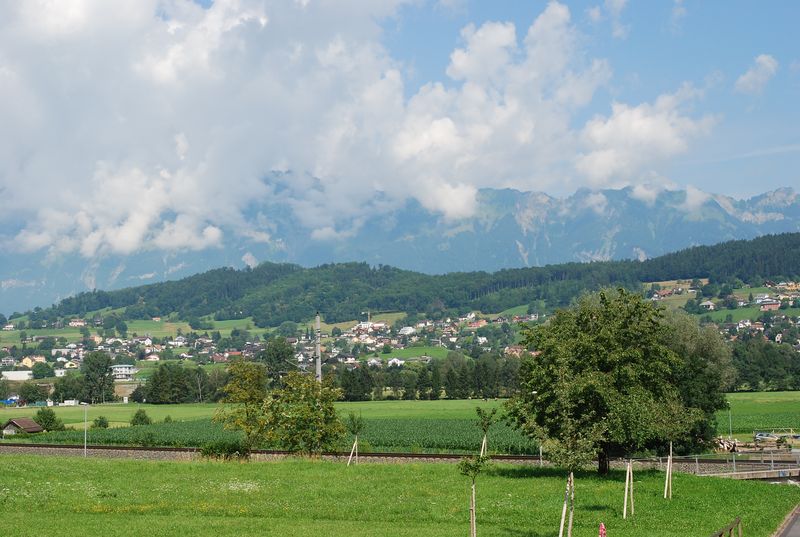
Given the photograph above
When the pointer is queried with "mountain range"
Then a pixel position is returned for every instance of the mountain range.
(508, 229)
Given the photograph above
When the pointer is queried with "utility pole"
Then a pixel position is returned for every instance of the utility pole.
(319, 356)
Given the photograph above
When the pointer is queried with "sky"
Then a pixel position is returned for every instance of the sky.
(135, 124)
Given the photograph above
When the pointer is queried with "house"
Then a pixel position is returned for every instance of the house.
(396, 362)
(69, 364)
(514, 350)
(17, 375)
(153, 358)
(29, 361)
(60, 372)
(21, 425)
(8, 361)
(9, 327)
(708, 305)
(374, 362)
(77, 323)
(123, 372)
(407, 331)
(770, 305)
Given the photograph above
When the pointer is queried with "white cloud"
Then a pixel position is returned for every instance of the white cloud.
(622, 148)
(250, 260)
(614, 9)
(695, 198)
(755, 79)
(143, 124)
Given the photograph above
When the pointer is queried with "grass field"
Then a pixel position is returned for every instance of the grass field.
(97, 497)
(750, 411)
(414, 352)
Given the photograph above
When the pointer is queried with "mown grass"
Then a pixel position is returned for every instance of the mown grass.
(415, 352)
(101, 497)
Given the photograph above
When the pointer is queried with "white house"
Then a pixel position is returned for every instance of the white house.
(17, 375)
(708, 305)
(396, 361)
(123, 372)
(407, 331)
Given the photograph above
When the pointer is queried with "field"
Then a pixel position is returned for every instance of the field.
(432, 426)
(761, 411)
(414, 352)
(93, 497)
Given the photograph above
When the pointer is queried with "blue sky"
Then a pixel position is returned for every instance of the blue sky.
(167, 118)
(709, 44)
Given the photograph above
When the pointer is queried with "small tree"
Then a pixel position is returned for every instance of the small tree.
(485, 420)
(48, 420)
(100, 422)
(471, 467)
(141, 418)
(301, 416)
(244, 395)
(354, 424)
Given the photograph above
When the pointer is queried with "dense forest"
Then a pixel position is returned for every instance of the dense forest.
(273, 293)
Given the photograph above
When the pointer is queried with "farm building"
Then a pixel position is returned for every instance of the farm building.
(21, 425)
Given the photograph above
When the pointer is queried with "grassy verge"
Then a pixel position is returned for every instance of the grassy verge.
(300, 498)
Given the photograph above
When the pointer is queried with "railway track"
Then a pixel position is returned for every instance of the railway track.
(686, 464)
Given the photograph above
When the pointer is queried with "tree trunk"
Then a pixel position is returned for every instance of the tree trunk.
(472, 518)
(602, 462)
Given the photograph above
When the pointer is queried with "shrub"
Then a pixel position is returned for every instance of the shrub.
(225, 450)
(100, 422)
(48, 420)
(168, 419)
(141, 418)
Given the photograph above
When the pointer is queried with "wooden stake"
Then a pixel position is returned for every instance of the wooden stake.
(625, 502)
(483, 446)
(668, 477)
(472, 522)
(541, 462)
(564, 510)
(630, 465)
(352, 451)
(571, 502)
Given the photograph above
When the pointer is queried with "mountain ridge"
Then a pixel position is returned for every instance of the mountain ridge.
(510, 228)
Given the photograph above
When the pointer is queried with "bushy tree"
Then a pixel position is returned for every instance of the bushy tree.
(141, 418)
(42, 370)
(100, 422)
(244, 398)
(47, 418)
(70, 386)
(301, 415)
(31, 393)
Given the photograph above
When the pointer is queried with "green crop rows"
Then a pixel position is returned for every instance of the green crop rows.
(421, 435)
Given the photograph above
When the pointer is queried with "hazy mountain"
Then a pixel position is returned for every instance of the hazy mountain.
(509, 229)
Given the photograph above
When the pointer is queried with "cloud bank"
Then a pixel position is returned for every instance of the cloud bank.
(156, 123)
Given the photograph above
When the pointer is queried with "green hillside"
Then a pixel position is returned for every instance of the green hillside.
(274, 293)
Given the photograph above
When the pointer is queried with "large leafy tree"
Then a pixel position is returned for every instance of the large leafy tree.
(98, 378)
(603, 381)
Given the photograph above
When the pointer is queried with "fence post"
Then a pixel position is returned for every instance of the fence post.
(696, 466)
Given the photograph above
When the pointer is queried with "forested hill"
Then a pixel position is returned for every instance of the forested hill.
(272, 293)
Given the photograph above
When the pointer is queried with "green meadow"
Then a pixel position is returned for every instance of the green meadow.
(101, 497)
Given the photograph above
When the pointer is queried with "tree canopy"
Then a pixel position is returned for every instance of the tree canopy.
(604, 381)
